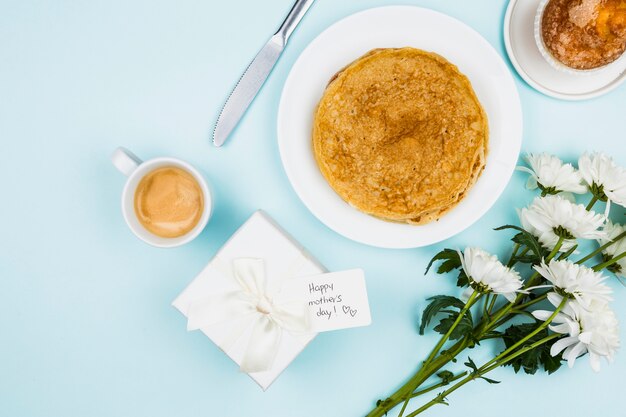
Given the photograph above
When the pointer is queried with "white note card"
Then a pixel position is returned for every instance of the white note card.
(336, 300)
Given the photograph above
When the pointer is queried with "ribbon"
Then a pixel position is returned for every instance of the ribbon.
(250, 306)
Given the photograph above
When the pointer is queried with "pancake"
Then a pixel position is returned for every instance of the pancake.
(400, 134)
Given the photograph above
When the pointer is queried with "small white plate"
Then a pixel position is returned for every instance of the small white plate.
(388, 27)
(524, 54)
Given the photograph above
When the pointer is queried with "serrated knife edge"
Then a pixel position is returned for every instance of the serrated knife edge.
(256, 74)
(247, 88)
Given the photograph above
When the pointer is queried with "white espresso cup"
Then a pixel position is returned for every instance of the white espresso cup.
(135, 169)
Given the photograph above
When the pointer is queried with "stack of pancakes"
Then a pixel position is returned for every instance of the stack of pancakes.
(400, 134)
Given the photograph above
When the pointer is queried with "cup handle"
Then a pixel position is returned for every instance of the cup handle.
(125, 161)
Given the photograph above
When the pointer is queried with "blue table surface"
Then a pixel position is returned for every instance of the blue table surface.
(86, 326)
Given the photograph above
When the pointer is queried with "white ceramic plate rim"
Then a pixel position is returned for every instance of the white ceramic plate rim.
(612, 85)
(501, 102)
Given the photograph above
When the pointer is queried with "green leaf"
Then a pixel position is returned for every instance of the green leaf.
(462, 280)
(441, 399)
(491, 381)
(551, 364)
(547, 190)
(531, 360)
(450, 259)
(470, 364)
(383, 403)
(446, 377)
(567, 254)
(527, 259)
(525, 238)
(598, 192)
(492, 334)
(464, 328)
(438, 304)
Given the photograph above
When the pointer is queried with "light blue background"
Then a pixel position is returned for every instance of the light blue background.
(86, 326)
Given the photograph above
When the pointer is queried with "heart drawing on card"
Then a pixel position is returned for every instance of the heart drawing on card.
(348, 310)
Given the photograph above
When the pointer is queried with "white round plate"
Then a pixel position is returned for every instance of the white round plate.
(524, 54)
(388, 27)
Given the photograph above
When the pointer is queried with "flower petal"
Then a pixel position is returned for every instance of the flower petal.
(561, 344)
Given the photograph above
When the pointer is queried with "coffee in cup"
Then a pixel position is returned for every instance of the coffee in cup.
(168, 202)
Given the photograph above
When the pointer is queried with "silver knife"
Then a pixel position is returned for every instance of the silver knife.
(255, 75)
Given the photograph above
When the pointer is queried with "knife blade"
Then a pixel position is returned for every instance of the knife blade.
(246, 89)
(256, 74)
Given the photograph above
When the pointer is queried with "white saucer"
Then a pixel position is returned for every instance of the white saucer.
(538, 73)
(389, 27)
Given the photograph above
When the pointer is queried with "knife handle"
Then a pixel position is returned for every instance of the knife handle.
(294, 17)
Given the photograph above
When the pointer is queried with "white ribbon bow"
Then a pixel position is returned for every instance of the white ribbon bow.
(255, 307)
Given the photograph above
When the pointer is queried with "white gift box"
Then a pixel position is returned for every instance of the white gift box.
(260, 238)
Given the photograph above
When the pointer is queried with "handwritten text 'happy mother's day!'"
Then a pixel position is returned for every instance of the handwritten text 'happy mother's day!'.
(327, 302)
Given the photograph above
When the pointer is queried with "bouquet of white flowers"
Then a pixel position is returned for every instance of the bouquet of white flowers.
(578, 320)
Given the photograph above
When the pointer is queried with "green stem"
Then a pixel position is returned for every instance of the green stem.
(556, 249)
(417, 379)
(529, 283)
(486, 305)
(592, 203)
(565, 255)
(531, 302)
(470, 302)
(426, 371)
(530, 335)
(434, 363)
(440, 397)
(610, 262)
(531, 280)
(502, 321)
(486, 326)
(494, 321)
(441, 384)
(511, 262)
(482, 371)
(523, 350)
(521, 312)
(603, 247)
(492, 305)
(511, 313)
(490, 336)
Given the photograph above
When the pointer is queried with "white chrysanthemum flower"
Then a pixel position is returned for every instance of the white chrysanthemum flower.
(613, 230)
(552, 176)
(551, 217)
(578, 281)
(604, 177)
(595, 331)
(487, 274)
